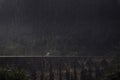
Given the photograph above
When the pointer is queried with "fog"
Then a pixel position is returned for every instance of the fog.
(85, 26)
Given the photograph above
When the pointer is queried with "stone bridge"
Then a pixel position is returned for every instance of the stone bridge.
(59, 68)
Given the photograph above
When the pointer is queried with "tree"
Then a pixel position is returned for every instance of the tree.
(13, 74)
(112, 73)
(112, 76)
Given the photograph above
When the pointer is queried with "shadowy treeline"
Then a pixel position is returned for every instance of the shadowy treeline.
(60, 68)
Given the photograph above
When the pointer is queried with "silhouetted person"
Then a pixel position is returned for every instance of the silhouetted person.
(67, 74)
(84, 74)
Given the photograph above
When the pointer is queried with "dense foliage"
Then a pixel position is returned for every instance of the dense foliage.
(112, 73)
(13, 74)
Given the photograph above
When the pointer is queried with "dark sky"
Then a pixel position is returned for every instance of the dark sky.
(90, 23)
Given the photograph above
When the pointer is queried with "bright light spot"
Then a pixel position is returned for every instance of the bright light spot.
(48, 53)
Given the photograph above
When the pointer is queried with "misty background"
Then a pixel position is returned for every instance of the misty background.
(59, 27)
